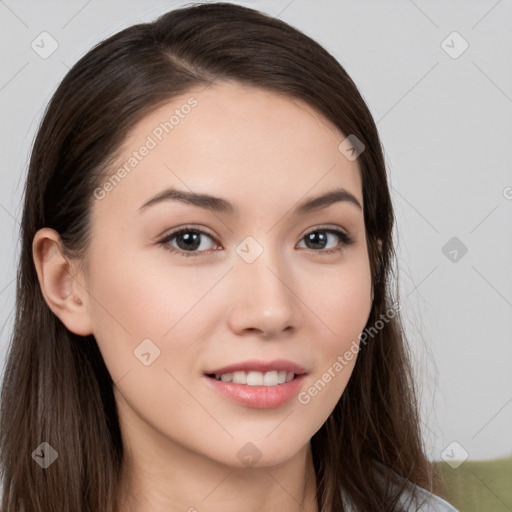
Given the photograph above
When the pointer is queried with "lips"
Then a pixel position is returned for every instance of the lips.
(258, 384)
(258, 397)
(259, 366)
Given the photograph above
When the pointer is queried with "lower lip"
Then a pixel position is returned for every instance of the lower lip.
(258, 397)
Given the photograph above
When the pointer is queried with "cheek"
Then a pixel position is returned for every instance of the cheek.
(341, 299)
(130, 305)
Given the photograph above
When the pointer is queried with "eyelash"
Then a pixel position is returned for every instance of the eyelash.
(346, 240)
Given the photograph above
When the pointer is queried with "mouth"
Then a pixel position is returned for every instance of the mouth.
(255, 378)
(258, 384)
(255, 395)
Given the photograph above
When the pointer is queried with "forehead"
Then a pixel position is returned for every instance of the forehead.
(233, 140)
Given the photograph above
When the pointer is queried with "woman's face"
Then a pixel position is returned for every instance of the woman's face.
(255, 281)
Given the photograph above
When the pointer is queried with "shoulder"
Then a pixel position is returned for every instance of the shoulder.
(413, 497)
(419, 499)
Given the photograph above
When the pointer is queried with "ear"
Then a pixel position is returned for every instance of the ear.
(62, 285)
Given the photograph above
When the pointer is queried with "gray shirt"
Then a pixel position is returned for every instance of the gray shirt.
(422, 500)
(426, 502)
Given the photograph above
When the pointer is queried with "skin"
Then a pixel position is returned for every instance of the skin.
(265, 153)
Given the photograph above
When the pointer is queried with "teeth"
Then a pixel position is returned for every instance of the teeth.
(272, 378)
(255, 379)
(269, 379)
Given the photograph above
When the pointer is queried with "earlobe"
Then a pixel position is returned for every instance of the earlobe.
(60, 283)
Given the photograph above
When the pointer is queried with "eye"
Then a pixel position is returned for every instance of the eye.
(187, 241)
(327, 240)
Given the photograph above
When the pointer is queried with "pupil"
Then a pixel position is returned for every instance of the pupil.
(191, 240)
(318, 239)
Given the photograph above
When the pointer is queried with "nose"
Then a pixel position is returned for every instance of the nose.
(264, 298)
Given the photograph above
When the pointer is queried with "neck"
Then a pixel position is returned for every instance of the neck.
(185, 481)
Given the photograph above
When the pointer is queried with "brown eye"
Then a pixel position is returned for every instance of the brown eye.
(187, 241)
(327, 240)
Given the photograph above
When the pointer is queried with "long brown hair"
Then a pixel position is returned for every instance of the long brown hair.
(56, 387)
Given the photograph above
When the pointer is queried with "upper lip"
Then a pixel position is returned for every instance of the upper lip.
(259, 366)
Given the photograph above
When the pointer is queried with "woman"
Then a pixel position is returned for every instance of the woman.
(205, 318)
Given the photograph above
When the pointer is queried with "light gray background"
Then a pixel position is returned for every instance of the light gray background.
(446, 128)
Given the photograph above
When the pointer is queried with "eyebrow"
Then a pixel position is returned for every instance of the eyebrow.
(217, 204)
